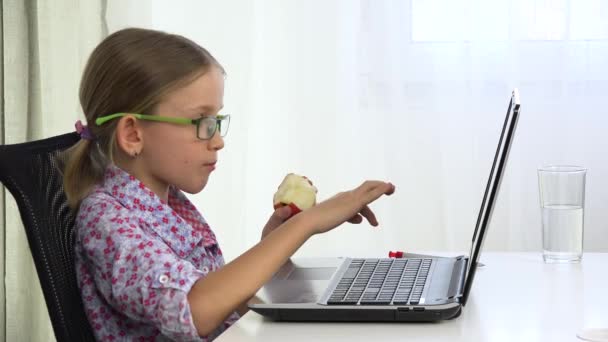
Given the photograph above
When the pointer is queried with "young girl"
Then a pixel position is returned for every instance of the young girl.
(148, 264)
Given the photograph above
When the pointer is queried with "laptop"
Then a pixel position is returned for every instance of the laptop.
(413, 288)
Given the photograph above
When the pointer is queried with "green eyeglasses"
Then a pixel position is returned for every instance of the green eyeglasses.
(205, 126)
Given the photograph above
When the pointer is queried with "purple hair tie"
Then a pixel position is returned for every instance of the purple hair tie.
(83, 131)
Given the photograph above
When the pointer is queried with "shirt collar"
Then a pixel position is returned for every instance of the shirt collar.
(177, 222)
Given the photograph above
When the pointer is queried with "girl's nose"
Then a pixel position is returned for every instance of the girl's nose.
(216, 142)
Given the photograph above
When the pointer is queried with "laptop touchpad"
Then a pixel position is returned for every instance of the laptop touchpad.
(311, 273)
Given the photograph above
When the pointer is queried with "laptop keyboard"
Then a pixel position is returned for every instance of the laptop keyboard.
(382, 282)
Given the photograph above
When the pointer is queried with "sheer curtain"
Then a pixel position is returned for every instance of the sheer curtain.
(414, 92)
(44, 47)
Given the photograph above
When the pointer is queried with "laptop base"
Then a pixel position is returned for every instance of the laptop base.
(398, 314)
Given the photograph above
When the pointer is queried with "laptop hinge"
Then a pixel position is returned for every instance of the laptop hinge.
(458, 277)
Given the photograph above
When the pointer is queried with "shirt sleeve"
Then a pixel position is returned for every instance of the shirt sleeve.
(139, 275)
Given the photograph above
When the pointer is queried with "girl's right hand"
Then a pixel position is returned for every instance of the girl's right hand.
(349, 206)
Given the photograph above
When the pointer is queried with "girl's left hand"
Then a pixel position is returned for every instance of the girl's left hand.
(279, 216)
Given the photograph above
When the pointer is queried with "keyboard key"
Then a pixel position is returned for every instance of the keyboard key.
(375, 302)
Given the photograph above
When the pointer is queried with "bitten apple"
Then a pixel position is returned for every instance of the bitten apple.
(297, 192)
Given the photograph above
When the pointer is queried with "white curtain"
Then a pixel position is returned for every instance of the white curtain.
(414, 92)
(45, 46)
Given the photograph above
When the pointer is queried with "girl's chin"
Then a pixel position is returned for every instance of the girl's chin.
(194, 188)
(200, 186)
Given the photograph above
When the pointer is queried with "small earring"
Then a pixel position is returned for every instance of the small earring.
(135, 154)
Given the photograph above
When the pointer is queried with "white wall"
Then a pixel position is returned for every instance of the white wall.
(343, 91)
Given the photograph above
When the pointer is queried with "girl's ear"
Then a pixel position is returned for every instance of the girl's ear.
(129, 136)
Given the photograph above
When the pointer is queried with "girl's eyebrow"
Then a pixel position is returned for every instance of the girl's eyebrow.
(205, 108)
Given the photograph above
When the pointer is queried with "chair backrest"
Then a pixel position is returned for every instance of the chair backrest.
(30, 171)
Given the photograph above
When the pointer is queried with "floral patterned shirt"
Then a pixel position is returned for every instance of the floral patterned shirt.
(137, 257)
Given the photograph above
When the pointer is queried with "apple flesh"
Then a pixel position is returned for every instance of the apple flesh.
(297, 192)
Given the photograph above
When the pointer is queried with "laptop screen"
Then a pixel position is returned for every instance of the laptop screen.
(492, 188)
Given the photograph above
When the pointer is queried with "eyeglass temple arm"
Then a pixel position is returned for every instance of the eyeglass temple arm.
(102, 120)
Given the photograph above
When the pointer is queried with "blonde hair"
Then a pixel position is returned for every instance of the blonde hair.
(129, 71)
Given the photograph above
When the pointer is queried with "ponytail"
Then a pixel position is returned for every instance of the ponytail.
(84, 168)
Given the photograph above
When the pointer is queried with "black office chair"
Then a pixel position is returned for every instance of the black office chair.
(30, 171)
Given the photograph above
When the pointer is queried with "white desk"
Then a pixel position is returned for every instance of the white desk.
(516, 297)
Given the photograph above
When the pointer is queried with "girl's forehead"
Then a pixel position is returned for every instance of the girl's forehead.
(204, 93)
